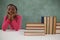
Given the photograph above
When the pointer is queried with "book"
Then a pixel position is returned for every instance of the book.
(34, 24)
(57, 31)
(58, 24)
(33, 34)
(57, 27)
(54, 25)
(51, 24)
(36, 27)
(42, 19)
(45, 23)
(42, 31)
(48, 24)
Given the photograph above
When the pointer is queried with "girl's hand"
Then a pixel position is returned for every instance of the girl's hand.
(9, 16)
(13, 16)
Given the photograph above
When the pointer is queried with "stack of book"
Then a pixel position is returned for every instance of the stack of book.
(35, 26)
(57, 28)
(50, 24)
(46, 27)
(34, 29)
(34, 33)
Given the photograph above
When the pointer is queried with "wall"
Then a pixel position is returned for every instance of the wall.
(32, 10)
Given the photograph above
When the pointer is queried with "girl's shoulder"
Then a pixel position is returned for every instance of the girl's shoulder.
(19, 16)
(5, 16)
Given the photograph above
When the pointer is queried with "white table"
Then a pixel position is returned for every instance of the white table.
(19, 35)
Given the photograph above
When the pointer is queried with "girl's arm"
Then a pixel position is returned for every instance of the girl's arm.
(17, 24)
(5, 23)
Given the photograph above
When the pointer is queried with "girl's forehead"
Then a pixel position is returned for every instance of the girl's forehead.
(11, 7)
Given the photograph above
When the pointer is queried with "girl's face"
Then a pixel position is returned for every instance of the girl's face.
(11, 10)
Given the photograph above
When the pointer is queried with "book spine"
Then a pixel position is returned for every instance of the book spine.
(34, 31)
(33, 34)
(35, 24)
(58, 24)
(51, 24)
(48, 24)
(57, 31)
(42, 19)
(54, 23)
(45, 23)
(41, 28)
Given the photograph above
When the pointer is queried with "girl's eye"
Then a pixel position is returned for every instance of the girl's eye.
(12, 9)
(8, 9)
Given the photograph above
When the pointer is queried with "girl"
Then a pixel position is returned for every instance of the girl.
(12, 18)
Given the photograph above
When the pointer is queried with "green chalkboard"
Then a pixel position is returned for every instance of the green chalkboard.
(32, 10)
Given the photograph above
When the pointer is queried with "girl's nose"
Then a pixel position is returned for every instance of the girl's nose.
(10, 10)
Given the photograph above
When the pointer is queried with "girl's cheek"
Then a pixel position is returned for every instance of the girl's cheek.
(8, 11)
